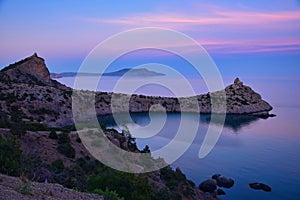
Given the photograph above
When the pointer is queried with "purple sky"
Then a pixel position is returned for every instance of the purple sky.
(256, 37)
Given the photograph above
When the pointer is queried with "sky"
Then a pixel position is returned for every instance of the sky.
(259, 38)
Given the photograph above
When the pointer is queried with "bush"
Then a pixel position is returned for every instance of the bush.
(78, 139)
(108, 194)
(67, 150)
(53, 135)
(10, 155)
(63, 138)
(23, 187)
(146, 149)
(35, 127)
(129, 186)
(162, 194)
(57, 166)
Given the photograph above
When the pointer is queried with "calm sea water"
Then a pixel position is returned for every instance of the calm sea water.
(248, 150)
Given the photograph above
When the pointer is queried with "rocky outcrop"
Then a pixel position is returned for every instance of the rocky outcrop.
(29, 70)
(241, 99)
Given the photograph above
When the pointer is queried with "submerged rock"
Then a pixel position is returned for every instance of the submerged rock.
(223, 181)
(260, 186)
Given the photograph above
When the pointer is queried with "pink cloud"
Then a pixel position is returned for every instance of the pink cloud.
(224, 30)
(216, 17)
(250, 46)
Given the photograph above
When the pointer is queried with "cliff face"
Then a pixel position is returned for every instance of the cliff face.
(27, 85)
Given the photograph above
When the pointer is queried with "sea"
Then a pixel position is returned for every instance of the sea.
(248, 150)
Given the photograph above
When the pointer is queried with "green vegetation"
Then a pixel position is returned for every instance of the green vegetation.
(57, 166)
(129, 186)
(53, 135)
(63, 138)
(4, 122)
(78, 139)
(10, 156)
(24, 187)
(67, 150)
(64, 146)
(161, 194)
(108, 194)
(86, 174)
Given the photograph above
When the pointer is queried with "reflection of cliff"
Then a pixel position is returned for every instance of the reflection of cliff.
(234, 122)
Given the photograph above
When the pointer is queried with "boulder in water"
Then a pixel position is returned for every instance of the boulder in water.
(260, 186)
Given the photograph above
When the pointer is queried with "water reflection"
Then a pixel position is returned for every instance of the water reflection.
(233, 122)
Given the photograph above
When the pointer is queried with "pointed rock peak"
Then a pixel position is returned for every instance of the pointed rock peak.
(237, 81)
(35, 54)
(29, 70)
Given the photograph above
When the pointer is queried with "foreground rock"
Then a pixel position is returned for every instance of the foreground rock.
(260, 186)
(15, 189)
(223, 181)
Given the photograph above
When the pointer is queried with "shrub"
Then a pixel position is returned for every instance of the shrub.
(53, 135)
(63, 138)
(78, 139)
(162, 194)
(10, 155)
(130, 186)
(108, 194)
(23, 187)
(146, 149)
(35, 127)
(67, 150)
(57, 166)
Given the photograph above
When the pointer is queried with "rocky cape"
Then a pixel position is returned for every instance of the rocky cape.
(27, 85)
